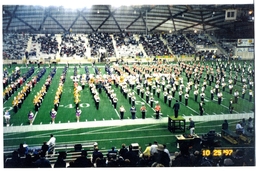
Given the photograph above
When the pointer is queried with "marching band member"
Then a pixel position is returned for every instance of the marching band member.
(219, 97)
(138, 87)
(133, 111)
(151, 99)
(212, 93)
(133, 99)
(154, 89)
(158, 90)
(202, 95)
(196, 94)
(165, 94)
(53, 114)
(180, 95)
(143, 111)
(186, 96)
(169, 97)
(147, 93)
(250, 95)
(130, 96)
(142, 92)
(121, 110)
(231, 105)
(223, 84)
(7, 117)
(30, 117)
(230, 88)
(15, 104)
(201, 109)
(115, 101)
(217, 86)
(243, 93)
(78, 114)
(97, 100)
(157, 110)
(56, 103)
(163, 83)
(236, 95)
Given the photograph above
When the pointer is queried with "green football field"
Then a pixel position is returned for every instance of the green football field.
(110, 135)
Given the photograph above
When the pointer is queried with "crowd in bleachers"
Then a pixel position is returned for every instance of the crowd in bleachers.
(72, 45)
(101, 43)
(14, 46)
(48, 44)
(153, 45)
(200, 39)
(153, 155)
(178, 44)
(227, 46)
(127, 45)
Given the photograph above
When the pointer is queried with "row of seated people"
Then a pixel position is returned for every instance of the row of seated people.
(127, 45)
(178, 44)
(14, 46)
(200, 39)
(73, 45)
(154, 155)
(227, 46)
(153, 45)
(99, 41)
(124, 39)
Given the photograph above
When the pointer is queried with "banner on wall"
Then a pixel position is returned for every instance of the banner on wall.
(245, 42)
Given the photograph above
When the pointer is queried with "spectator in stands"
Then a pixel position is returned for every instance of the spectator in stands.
(183, 158)
(60, 163)
(51, 143)
(225, 125)
(42, 162)
(82, 161)
(161, 157)
(132, 156)
(250, 125)
(44, 148)
(146, 152)
(112, 153)
(123, 150)
(21, 150)
(243, 123)
(28, 163)
(153, 148)
(166, 150)
(96, 154)
(14, 162)
(239, 128)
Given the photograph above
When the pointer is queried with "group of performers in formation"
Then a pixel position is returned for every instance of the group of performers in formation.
(26, 89)
(154, 80)
(39, 97)
(151, 81)
(13, 81)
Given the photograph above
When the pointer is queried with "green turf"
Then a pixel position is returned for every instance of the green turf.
(109, 136)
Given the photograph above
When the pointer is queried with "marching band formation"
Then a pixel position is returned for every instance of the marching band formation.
(150, 82)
